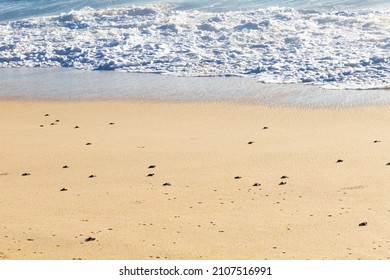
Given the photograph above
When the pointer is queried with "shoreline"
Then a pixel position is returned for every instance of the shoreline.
(202, 201)
(69, 84)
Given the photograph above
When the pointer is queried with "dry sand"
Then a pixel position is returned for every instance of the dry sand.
(199, 149)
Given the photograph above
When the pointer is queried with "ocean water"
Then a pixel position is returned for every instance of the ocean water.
(332, 44)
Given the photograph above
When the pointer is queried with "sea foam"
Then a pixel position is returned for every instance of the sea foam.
(336, 49)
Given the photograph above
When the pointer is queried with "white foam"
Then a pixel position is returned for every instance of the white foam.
(276, 45)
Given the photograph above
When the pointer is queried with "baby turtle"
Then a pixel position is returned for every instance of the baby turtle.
(151, 166)
(89, 239)
(167, 184)
(237, 177)
(63, 190)
(26, 174)
(150, 175)
(282, 183)
(363, 224)
(339, 161)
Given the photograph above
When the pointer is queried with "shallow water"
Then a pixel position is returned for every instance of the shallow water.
(331, 44)
(67, 84)
(17, 9)
(276, 45)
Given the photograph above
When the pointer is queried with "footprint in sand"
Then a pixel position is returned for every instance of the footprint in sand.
(3, 256)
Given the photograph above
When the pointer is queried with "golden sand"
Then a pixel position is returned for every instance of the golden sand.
(211, 210)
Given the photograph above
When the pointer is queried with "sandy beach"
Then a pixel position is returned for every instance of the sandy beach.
(154, 180)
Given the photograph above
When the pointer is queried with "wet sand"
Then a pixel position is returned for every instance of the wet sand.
(150, 180)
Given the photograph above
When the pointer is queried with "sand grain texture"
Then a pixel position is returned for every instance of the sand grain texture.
(199, 149)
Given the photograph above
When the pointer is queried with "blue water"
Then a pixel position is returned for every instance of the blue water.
(18, 9)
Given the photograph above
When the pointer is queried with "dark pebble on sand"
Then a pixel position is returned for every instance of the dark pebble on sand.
(26, 174)
(150, 175)
(250, 143)
(363, 224)
(388, 164)
(63, 190)
(377, 141)
(237, 177)
(76, 126)
(91, 176)
(282, 183)
(65, 166)
(256, 185)
(167, 184)
(111, 123)
(284, 177)
(88, 144)
(47, 115)
(340, 160)
(265, 127)
(151, 166)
